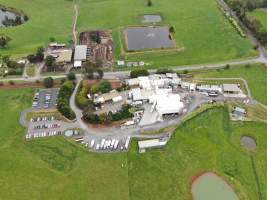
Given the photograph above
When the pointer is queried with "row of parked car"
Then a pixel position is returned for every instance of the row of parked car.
(45, 126)
(45, 118)
(42, 134)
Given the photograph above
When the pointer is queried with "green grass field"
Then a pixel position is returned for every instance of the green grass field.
(47, 19)
(202, 30)
(256, 76)
(261, 15)
(56, 168)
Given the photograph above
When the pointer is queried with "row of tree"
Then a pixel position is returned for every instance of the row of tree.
(81, 99)
(14, 68)
(37, 57)
(64, 95)
(92, 70)
(105, 118)
(241, 7)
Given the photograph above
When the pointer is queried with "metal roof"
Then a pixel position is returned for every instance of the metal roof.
(231, 88)
(80, 53)
(151, 143)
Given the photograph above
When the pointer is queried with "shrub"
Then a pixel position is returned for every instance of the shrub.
(171, 29)
(227, 67)
(81, 98)
(11, 82)
(48, 82)
(71, 76)
(104, 86)
(94, 89)
(49, 61)
(164, 71)
(138, 72)
(185, 71)
(62, 81)
(247, 66)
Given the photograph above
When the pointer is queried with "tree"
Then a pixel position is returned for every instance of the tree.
(185, 71)
(18, 20)
(89, 69)
(149, 3)
(48, 82)
(40, 54)
(138, 72)
(94, 89)
(31, 58)
(26, 18)
(52, 39)
(4, 40)
(104, 86)
(105, 118)
(227, 66)
(49, 61)
(95, 37)
(6, 59)
(71, 76)
(100, 73)
(172, 29)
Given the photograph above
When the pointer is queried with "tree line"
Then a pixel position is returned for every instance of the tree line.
(242, 7)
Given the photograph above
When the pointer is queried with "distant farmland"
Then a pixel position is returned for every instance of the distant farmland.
(203, 33)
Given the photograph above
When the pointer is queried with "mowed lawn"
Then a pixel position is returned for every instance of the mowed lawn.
(261, 15)
(256, 76)
(56, 168)
(201, 29)
(49, 18)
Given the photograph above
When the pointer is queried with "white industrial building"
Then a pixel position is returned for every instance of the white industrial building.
(154, 80)
(233, 90)
(209, 88)
(156, 90)
(166, 103)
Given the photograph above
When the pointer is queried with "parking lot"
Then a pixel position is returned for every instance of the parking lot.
(45, 99)
(47, 126)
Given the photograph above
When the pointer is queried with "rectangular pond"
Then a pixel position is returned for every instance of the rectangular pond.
(145, 38)
(151, 18)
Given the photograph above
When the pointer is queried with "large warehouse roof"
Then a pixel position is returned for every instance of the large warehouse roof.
(167, 104)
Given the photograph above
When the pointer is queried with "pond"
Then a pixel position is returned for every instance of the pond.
(209, 186)
(248, 142)
(9, 18)
(142, 38)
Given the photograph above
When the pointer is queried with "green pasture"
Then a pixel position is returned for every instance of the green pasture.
(57, 168)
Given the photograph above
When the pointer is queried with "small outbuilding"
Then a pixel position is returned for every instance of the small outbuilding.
(80, 55)
(64, 56)
(231, 88)
(154, 143)
(239, 113)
